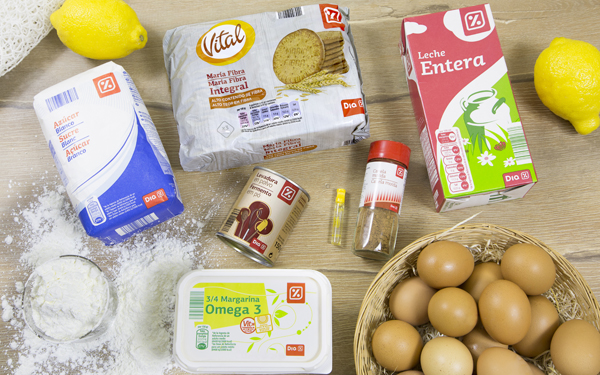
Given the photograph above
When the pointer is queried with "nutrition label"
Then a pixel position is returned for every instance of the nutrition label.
(452, 155)
(269, 113)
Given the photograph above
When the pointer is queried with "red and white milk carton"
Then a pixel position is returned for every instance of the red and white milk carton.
(475, 148)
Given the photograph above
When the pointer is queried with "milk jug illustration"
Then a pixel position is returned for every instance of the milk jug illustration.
(486, 117)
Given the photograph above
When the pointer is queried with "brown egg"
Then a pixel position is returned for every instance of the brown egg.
(478, 340)
(500, 361)
(544, 321)
(483, 275)
(445, 263)
(505, 312)
(530, 267)
(397, 345)
(534, 369)
(575, 348)
(409, 301)
(446, 356)
(453, 312)
(411, 372)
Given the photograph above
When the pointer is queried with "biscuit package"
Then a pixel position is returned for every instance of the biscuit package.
(265, 86)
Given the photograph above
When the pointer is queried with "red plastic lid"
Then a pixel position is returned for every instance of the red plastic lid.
(390, 150)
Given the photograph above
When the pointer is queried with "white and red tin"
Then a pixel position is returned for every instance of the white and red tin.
(263, 216)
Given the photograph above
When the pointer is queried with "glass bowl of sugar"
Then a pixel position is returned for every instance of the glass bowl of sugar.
(69, 299)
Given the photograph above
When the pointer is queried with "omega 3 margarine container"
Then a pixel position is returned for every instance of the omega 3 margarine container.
(253, 321)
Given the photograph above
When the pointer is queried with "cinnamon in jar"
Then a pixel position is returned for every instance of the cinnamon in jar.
(381, 200)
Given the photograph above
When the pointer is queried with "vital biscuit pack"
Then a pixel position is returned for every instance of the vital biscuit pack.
(265, 86)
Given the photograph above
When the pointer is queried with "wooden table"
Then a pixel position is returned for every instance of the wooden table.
(561, 210)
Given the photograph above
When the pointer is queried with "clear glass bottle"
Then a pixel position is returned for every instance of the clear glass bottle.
(381, 200)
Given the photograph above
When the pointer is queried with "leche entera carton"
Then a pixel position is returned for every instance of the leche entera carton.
(473, 141)
(108, 153)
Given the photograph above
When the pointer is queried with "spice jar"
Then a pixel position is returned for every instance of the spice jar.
(381, 199)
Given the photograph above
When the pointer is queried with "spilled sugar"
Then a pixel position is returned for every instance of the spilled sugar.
(145, 270)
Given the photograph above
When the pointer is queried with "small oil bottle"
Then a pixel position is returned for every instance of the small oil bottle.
(338, 215)
(381, 199)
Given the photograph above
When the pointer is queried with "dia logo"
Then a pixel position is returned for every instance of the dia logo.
(288, 193)
(475, 21)
(332, 17)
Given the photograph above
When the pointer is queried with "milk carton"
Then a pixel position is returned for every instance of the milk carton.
(475, 148)
(108, 153)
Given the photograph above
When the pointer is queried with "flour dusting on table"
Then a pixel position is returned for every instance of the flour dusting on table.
(145, 271)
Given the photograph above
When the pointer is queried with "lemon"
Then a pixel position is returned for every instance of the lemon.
(99, 29)
(567, 80)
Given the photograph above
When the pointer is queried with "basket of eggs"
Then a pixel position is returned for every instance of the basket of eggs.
(478, 299)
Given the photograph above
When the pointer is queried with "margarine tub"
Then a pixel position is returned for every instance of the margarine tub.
(253, 321)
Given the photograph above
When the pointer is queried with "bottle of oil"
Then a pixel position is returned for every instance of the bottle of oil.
(381, 199)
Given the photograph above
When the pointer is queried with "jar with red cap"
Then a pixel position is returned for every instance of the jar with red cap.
(381, 199)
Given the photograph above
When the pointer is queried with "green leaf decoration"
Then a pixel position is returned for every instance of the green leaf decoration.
(273, 349)
(275, 299)
(276, 321)
(255, 338)
(250, 348)
(269, 333)
(271, 291)
(280, 313)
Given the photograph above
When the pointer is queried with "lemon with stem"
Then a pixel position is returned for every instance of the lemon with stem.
(567, 80)
(99, 29)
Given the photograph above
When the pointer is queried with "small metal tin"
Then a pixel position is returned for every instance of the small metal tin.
(263, 216)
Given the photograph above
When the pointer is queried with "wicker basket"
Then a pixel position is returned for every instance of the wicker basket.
(487, 243)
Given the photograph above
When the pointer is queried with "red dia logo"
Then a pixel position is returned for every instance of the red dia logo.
(400, 172)
(351, 107)
(475, 20)
(332, 17)
(154, 198)
(106, 85)
(295, 293)
(288, 193)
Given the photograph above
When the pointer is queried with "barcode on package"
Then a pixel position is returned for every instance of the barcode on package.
(197, 304)
(519, 144)
(136, 224)
(230, 220)
(290, 13)
(61, 99)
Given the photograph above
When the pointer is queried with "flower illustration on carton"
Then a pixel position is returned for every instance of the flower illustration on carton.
(509, 162)
(486, 158)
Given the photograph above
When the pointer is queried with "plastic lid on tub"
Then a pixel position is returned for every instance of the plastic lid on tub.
(390, 150)
(253, 322)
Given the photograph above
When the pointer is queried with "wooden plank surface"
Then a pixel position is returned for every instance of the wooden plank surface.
(561, 210)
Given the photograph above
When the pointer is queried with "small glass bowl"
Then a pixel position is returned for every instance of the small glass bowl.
(105, 319)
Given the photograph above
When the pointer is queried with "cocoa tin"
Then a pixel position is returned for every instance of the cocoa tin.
(263, 216)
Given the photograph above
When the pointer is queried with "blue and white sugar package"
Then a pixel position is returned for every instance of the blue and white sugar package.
(108, 153)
